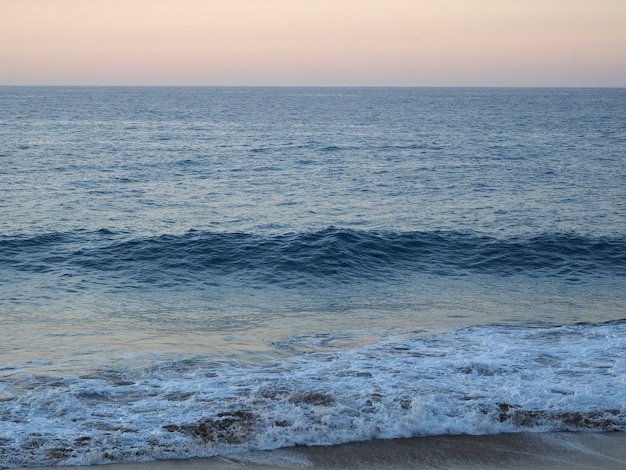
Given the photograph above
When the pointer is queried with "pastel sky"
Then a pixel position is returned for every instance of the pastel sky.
(313, 42)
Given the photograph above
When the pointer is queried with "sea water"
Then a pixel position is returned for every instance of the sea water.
(191, 272)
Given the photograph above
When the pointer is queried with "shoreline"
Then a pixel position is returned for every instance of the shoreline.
(539, 451)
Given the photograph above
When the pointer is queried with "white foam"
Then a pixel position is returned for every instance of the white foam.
(470, 381)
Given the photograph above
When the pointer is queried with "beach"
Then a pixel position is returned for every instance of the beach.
(543, 451)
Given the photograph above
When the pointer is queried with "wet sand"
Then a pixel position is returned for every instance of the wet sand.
(505, 451)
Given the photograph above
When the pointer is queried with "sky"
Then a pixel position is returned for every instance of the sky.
(313, 42)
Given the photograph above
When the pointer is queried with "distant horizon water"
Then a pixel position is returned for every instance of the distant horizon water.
(330, 86)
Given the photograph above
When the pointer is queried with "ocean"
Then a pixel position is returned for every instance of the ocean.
(191, 272)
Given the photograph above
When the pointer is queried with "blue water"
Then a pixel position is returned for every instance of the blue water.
(199, 271)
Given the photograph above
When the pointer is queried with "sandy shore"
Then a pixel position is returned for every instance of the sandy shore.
(509, 451)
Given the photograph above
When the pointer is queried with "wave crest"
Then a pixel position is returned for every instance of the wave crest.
(327, 256)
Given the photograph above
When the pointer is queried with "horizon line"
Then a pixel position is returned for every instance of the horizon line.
(306, 86)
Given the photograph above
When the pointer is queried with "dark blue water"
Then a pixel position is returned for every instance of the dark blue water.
(306, 257)
(307, 260)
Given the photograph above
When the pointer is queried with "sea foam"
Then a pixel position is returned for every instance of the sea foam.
(481, 380)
